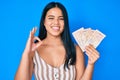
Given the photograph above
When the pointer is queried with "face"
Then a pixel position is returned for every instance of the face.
(54, 22)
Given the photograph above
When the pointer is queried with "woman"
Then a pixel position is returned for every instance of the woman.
(52, 55)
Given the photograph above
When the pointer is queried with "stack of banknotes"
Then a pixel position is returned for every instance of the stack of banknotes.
(88, 36)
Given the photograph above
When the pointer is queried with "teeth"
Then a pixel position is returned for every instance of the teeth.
(55, 28)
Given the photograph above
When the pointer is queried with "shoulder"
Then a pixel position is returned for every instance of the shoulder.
(78, 50)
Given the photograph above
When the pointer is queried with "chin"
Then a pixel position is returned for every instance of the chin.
(56, 34)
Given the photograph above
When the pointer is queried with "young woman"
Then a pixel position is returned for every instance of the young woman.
(52, 55)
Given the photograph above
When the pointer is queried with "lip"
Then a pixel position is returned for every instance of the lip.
(56, 28)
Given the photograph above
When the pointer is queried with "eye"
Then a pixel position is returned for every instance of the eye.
(51, 18)
(61, 18)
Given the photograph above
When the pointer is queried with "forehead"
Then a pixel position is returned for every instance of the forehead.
(55, 12)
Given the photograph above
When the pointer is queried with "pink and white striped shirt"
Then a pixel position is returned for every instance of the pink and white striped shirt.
(44, 71)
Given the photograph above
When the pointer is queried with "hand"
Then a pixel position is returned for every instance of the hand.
(92, 54)
(31, 46)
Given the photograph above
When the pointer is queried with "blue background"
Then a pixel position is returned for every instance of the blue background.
(18, 17)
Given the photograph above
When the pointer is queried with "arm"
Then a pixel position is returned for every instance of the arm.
(25, 69)
(93, 55)
(88, 72)
(80, 66)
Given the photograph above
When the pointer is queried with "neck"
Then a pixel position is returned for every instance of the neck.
(53, 41)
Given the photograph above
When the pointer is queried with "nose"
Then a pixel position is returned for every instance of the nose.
(56, 21)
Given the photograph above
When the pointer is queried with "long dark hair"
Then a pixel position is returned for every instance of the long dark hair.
(65, 36)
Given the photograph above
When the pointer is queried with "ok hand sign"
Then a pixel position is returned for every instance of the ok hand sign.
(31, 45)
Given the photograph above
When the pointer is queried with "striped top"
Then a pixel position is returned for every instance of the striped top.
(44, 71)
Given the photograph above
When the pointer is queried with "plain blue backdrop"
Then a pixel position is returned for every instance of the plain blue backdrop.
(18, 17)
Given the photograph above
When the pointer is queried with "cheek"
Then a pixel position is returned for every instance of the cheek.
(62, 24)
(47, 23)
(62, 27)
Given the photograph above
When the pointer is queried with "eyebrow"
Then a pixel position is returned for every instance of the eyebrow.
(53, 16)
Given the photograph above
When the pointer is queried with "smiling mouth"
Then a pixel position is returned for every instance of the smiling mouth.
(56, 28)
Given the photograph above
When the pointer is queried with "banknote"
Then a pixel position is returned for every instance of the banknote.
(96, 38)
(88, 36)
(85, 34)
(77, 35)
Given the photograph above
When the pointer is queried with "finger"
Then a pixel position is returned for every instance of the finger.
(92, 47)
(36, 38)
(29, 36)
(88, 52)
(90, 56)
(36, 45)
(33, 31)
(93, 50)
(91, 53)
